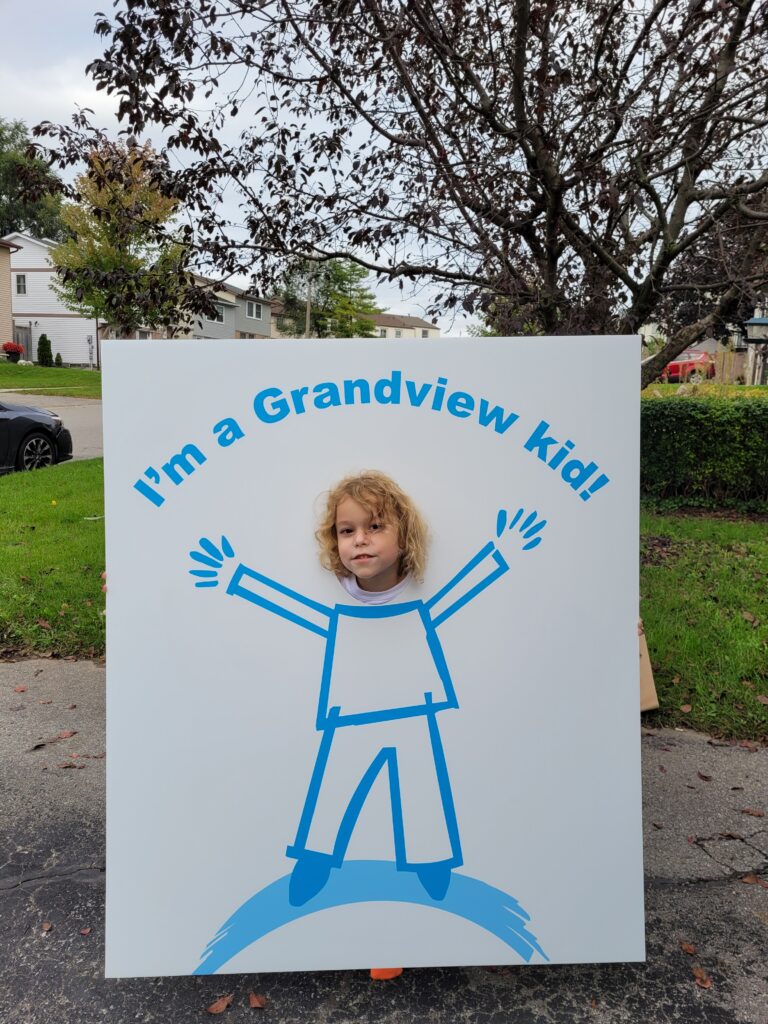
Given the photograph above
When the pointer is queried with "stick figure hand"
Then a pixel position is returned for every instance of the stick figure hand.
(212, 557)
(527, 528)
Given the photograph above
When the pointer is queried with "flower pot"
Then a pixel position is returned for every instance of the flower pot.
(14, 357)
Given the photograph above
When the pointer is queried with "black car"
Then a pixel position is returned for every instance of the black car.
(31, 438)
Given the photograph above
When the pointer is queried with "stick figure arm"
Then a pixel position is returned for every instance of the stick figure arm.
(281, 600)
(483, 569)
(488, 564)
(255, 587)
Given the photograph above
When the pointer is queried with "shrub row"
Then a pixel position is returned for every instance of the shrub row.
(706, 449)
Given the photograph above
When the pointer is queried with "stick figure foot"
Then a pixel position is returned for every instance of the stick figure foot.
(308, 877)
(435, 878)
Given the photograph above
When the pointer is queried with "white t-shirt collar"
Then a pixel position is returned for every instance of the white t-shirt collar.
(354, 589)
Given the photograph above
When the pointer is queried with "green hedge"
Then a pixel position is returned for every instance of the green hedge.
(705, 449)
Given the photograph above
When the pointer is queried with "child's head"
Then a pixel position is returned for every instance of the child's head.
(383, 502)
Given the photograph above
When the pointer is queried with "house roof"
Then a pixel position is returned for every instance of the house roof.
(760, 320)
(10, 246)
(396, 320)
(47, 242)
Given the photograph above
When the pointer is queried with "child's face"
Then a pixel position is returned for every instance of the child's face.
(368, 546)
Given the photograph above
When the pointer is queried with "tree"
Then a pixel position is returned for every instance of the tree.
(553, 161)
(340, 302)
(118, 263)
(29, 198)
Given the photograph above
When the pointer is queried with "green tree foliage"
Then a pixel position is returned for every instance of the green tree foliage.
(115, 265)
(29, 199)
(341, 305)
(44, 353)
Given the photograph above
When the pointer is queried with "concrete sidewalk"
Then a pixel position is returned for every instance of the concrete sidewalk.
(699, 845)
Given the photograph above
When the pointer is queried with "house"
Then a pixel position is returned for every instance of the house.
(6, 316)
(36, 308)
(240, 313)
(386, 325)
(393, 325)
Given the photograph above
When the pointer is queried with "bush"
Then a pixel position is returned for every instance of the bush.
(44, 354)
(57, 361)
(704, 450)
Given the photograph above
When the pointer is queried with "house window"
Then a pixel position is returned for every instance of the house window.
(253, 310)
(424, 332)
(219, 317)
(398, 334)
(382, 332)
(21, 284)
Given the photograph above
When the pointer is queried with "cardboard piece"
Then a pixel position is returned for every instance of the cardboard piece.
(648, 699)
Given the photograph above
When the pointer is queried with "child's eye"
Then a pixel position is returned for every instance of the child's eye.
(376, 526)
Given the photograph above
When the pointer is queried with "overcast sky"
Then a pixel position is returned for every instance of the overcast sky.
(46, 47)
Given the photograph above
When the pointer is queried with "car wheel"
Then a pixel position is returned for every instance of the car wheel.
(35, 451)
(695, 377)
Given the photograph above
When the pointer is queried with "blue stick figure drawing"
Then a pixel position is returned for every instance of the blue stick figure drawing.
(389, 723)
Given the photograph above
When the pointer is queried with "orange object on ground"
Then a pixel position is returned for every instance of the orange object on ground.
(385, 973)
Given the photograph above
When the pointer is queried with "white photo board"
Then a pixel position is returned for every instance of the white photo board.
(298, 781)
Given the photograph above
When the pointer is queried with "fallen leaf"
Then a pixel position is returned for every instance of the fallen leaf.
(688, 947)
(67, 734)
(221, 1004)
(703, 777)
(256, 1002)
(761, 697)
(662, 769)
(689, 786)
(748, 682)
(86, 931)
(19, 689)
(739, 788)
(43, 623)
(69, 764)
(46, 926)
(703, 980)
(753, 812)
(657, 824)
(71, 707)
(668, 749)
(45, 702)
(749, 745)
(38, 672)
(748, 616)
(685, 708)
(593, 1004)
(753, 879)
(675, 680)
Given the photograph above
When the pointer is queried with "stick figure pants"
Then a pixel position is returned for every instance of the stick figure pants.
(349, 761)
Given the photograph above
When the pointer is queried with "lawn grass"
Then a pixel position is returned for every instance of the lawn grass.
(51, 558)
(704, 603)
(49, 380)
(707, 389)
(704, 595)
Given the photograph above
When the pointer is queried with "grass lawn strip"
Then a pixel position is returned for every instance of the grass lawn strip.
(704, 595)
(707, 389)
(47, 380)
(704, 603)
(51, 558)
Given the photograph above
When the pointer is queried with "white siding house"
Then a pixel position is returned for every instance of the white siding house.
(38, 310)
(392, 325)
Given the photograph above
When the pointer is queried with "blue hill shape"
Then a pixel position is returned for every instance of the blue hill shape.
(371, 881)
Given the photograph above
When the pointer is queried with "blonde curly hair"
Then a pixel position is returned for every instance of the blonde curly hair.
(382, 497)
